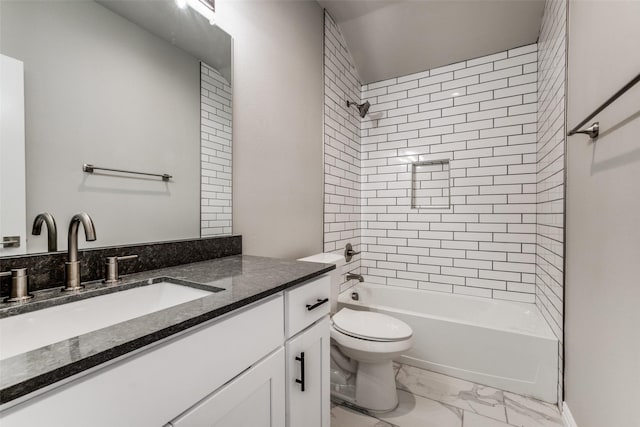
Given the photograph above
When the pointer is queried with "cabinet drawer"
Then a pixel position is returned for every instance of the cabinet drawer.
(306, 303)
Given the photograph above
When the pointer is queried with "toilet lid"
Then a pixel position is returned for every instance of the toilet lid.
(371, 326)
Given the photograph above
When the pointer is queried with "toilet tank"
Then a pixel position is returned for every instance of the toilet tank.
(335, 275)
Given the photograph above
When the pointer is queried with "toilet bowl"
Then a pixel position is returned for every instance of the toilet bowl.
(372, 340)
(363, 346)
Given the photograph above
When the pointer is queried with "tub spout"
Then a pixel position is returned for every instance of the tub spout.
(351, 276)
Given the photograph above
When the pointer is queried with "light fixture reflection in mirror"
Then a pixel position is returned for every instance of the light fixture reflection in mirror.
(205, 8)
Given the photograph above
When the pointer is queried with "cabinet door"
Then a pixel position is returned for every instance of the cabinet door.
(308, 367)
(254, 399)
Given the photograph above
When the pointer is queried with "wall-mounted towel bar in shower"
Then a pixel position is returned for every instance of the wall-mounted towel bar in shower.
(91, 168)
(594, 130)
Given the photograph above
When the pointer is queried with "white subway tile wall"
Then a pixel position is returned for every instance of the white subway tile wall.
(480, 115)
(341, 148)
(550, 169)
(216, 149)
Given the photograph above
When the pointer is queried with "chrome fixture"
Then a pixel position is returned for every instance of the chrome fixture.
(594, 130)
(362, 108)
(52, 230)
(355, 296)
(349, 252)
(351, 276)
(111, 267)
(91, 169)
(19, 285)
(72, 266)
(10, 242)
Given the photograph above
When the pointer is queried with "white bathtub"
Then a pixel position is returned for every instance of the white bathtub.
(502, 344)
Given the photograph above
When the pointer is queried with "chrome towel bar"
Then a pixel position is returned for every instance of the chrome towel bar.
(91, 168)
(594, 130)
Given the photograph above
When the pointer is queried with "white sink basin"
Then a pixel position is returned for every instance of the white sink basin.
(28, 331)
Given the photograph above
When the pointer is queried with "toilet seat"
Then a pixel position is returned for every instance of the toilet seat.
(374, 348)
(370, 326)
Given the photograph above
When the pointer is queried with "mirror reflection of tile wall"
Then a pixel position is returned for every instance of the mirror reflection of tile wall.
(216, 218)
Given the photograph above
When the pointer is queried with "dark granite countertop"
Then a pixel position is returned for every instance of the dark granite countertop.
(245, 279)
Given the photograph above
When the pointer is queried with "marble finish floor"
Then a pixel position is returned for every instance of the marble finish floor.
(429, 399)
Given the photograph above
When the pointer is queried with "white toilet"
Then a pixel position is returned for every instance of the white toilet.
(363, 346)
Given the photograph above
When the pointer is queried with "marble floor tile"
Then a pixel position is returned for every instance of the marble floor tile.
(429, 399)
(471, 419)
(417, 411)
(462, 394)
(345, 417)
(526, 412)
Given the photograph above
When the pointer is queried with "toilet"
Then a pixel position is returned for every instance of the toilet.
(363, 346)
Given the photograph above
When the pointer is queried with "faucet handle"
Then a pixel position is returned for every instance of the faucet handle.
(111, 267)
(19, 285)
(349, 252)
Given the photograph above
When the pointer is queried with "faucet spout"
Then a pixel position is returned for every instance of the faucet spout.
(72, 266)
(351, 276)
(52, 230)
(89, 233)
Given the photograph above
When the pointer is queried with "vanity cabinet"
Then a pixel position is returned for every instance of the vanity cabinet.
(154, 386)
(233, 371)
(307, 354)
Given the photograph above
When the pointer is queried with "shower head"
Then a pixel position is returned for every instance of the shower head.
(362, 108)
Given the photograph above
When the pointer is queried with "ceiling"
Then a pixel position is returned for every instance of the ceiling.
(390, 38)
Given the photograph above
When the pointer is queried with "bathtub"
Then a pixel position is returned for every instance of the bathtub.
(502, 344)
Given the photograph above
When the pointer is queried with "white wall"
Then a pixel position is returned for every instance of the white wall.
(101, 90)
(602, 319)
(277, 135)
(480, 114)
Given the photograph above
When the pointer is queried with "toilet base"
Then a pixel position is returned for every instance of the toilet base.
(365, 385)
(376, 386)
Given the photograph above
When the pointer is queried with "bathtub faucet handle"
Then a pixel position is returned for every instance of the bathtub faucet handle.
(349, 252)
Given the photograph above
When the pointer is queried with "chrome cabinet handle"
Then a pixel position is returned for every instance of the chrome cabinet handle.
(317, 304)
(301, 380)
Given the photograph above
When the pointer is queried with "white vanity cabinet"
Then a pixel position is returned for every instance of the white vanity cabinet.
(238, 370)
(156, 385)
(307, 353)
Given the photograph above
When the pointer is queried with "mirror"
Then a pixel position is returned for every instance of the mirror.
(124, 85)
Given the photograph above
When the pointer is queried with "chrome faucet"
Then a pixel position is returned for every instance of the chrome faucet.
(52, 230)
(351, 276)
(72, 266)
